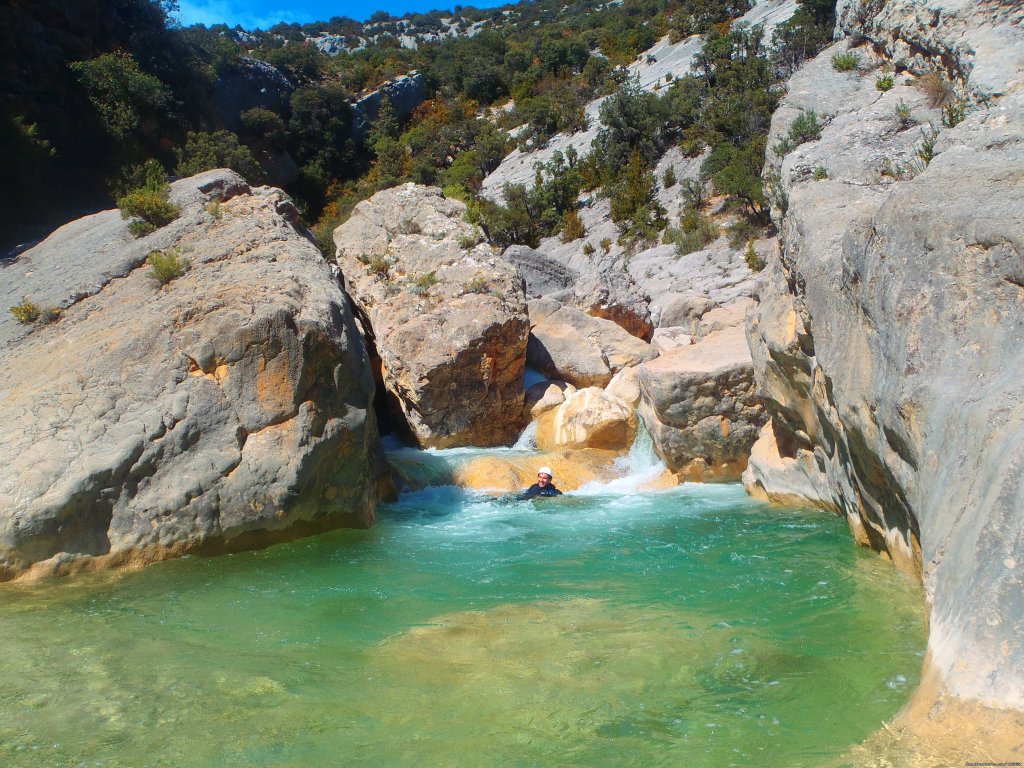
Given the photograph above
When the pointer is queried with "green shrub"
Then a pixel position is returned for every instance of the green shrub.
(606, 244)
(148, 174)
(478, 284)
(820, 173)
(379, 266)
(845, 62)
(423, 283)
(150, 205)
(753, 259)
(925, 153)
(803, 129)
(954, 113)
(166, 265)
(902, 114)
(121, 93)
(694, 232)
(588, 249)
(884, 82)
(221, 149)
(669, 179)
(741, 231)
(213, 208)
(572, 227)
(26, 312)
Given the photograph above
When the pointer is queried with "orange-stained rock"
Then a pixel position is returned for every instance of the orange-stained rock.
(589, 418)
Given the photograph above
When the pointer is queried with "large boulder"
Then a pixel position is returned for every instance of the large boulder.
(542, 275)
(614, 296)
(228, 408)
(445, 313)
(889, 341)
(588, 418)
(700, 408)
(611, 294)
(570, 345)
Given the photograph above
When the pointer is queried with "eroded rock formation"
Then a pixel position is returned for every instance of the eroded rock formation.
(228, 408)
(700, 408)
(446, 315)
(889, 341)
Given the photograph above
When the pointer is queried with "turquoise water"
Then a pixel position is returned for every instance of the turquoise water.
(690, 627)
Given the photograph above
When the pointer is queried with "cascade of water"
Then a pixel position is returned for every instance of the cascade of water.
(528, 439)
(642, 456)
(637, 469)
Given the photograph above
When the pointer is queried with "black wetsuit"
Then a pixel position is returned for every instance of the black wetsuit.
(535, 490)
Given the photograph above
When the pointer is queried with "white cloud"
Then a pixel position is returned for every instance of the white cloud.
(232, 12)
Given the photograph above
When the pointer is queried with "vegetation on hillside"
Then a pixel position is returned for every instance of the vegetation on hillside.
(127, 86)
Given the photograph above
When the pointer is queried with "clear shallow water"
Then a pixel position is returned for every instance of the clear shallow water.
(689, 627)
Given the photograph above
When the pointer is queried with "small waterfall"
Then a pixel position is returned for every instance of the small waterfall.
(637, 469)
(642, 457)
(528, 439)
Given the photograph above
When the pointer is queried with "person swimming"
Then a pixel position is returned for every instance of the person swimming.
(543, 486)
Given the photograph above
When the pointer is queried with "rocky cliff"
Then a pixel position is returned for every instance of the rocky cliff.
(229, 407)
(444, 313)
(889, 339)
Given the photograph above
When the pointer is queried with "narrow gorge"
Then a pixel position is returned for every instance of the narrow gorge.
(325, 444)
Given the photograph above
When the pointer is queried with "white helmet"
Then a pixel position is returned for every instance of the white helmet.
(546, 471)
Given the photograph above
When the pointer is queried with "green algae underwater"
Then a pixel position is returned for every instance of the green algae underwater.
(690, 626)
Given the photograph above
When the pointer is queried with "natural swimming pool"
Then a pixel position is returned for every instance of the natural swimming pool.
(690, 626)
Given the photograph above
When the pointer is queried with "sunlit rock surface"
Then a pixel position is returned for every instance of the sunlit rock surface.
(444, 312)
(889, 342)
(228, 408)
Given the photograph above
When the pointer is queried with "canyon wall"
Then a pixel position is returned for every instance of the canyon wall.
(889, 339)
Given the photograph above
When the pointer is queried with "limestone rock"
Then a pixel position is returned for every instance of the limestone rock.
(611, 295)
(405, 93)
(732, 315)
(446, 316)
(889, 341)
(229, 408)
(589, 418)
(625, 385)
(542, 275)
(668, 340)
(252, 83)
(614, 296)
(700, 408)
(585, 351)
(545, 395)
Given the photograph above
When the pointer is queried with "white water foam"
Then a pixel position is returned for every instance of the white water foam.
(528, 439)
(636, 469)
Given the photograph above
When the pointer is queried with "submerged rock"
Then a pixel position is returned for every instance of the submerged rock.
(700, 407)
(228, 408)
(446, 315)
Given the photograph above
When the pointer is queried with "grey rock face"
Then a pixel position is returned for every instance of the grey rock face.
(569, 345)
(889, 341)
(446, 315)
(700, 407)
(609, 294)
(253, 84)
(541, 274)
(405, 93)
(229, 408)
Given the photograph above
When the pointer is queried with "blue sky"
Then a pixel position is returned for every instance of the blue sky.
(252, 14)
